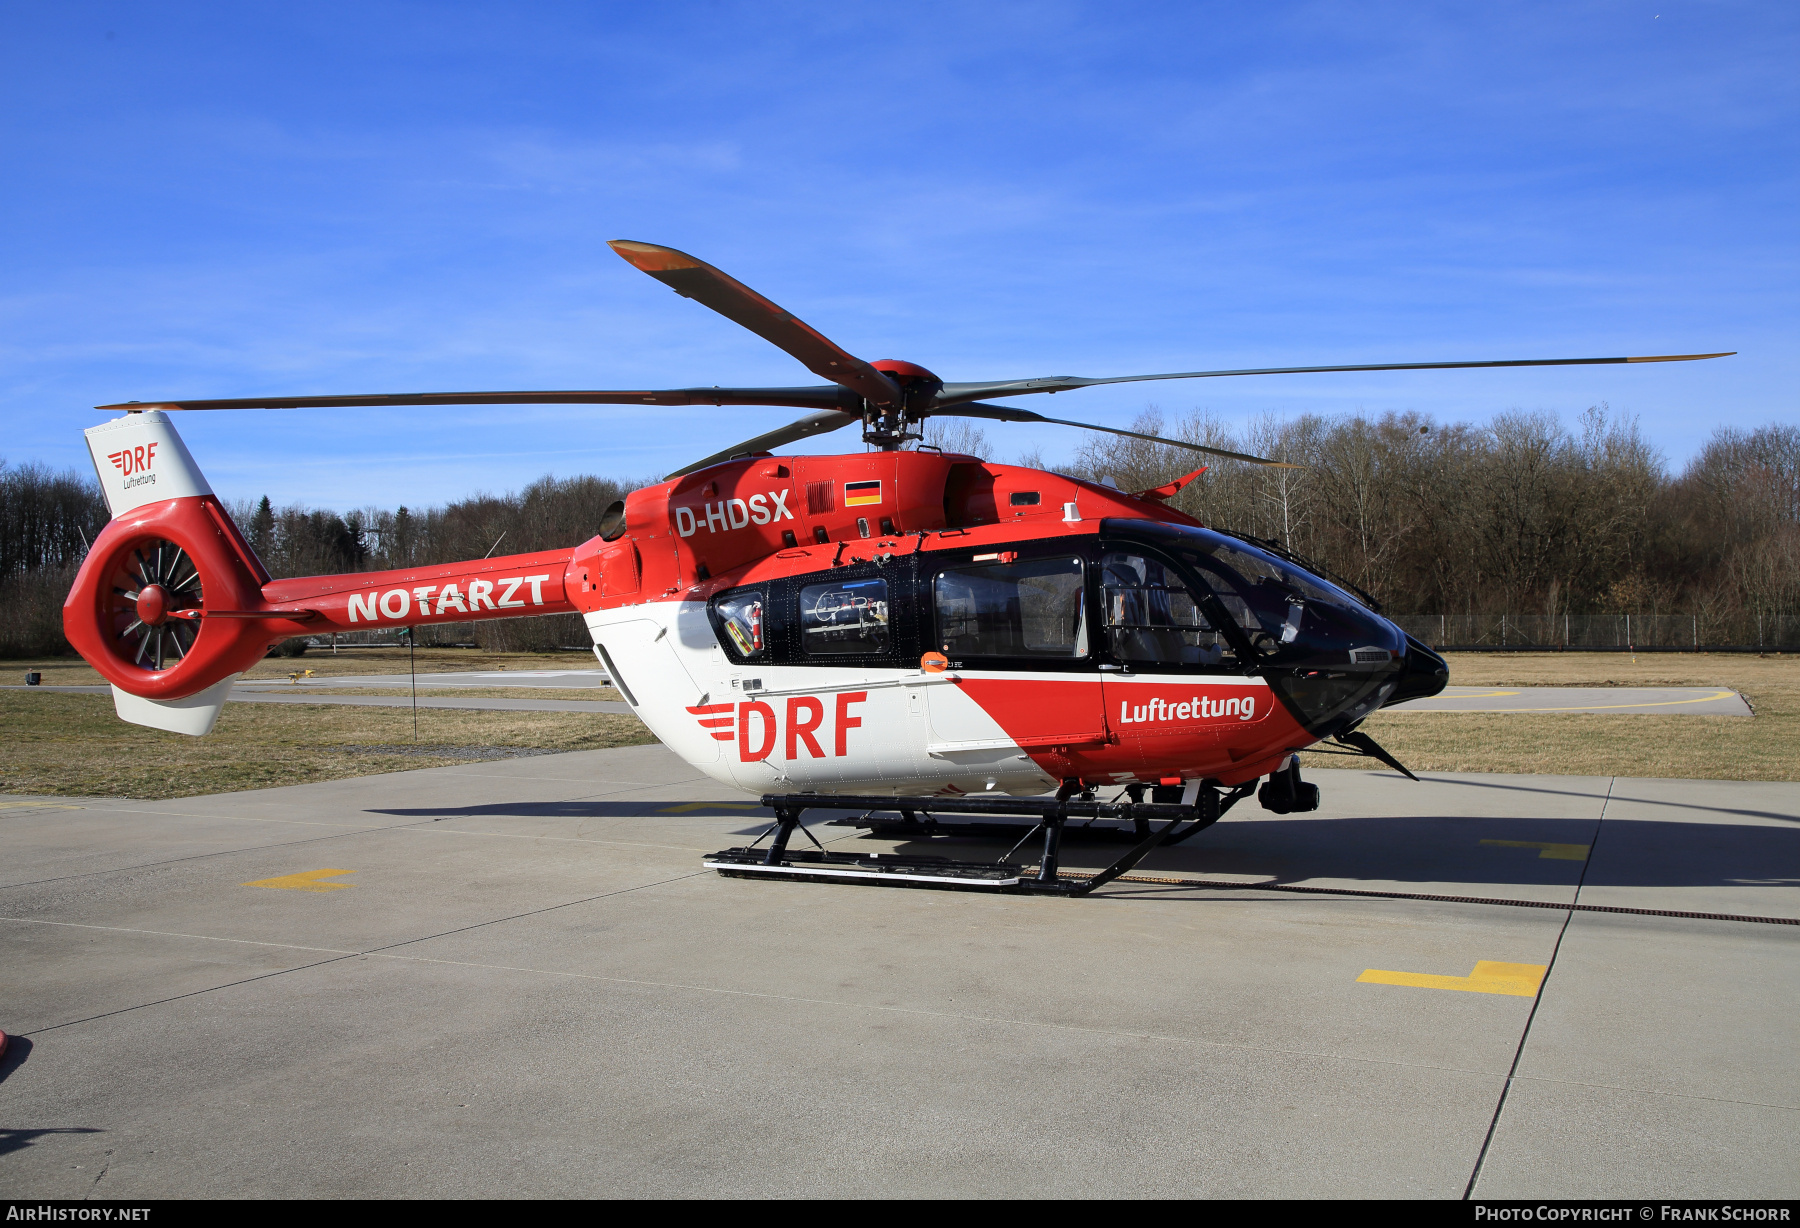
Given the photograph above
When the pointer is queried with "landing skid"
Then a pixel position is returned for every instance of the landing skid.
(1177, 823)
(930, 829)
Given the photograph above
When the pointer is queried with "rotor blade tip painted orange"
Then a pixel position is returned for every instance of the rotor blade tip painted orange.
(1681, 357)
(653, 258)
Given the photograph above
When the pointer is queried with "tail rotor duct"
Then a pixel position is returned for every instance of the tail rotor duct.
(157, 594)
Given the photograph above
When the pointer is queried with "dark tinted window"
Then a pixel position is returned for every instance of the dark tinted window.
(1272, 600)
(844, 619)
(1153, 616)
(1027, 609)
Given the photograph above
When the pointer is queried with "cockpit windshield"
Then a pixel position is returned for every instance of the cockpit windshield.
(1331, 658)
(1268, 597)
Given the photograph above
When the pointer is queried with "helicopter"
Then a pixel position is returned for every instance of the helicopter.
(901, 630)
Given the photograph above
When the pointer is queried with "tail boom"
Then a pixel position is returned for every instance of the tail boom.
(171, 603)
(511, 586)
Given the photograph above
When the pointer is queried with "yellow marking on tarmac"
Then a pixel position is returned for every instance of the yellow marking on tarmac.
(1547, 850)
(38, 805)
(306, 880)
(1489, 976)
(691, 807)
(1660, 703)
(1476, 695)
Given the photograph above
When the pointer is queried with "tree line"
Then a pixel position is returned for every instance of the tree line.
(47, 521)
(550, 513)
(1525, 515)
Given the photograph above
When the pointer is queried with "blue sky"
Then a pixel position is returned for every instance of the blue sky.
(229, 200)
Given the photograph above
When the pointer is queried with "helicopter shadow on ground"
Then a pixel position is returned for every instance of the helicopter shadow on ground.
(18, 1140)
(660, 808)
(1440, 848)
(749, 818)
(1449, 849)
(1780, 816)
(18, 1048)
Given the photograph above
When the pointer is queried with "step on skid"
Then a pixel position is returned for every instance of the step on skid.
(1153, 825)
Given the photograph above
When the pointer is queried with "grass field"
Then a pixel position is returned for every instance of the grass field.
(601, 694)
(73, 671)
(73, 745)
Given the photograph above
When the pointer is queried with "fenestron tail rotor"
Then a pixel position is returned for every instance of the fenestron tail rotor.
(153, 585)
(886, 397)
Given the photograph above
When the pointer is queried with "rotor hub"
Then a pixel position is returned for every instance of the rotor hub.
(918, 389)
(153, 603)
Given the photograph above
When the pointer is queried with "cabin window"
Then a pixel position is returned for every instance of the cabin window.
(1154, 617)
(739, 619)
(1023, 498)
(1023, 609)
(845, 619)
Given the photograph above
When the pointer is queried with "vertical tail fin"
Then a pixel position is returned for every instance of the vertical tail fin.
(141, 460)
(169, 556)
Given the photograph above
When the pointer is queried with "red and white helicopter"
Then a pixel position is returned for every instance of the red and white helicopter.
(904, 630)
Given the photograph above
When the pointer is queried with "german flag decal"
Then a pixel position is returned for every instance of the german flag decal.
(861, 494)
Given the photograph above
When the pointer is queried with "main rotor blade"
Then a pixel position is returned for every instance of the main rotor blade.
(1006, 413)
(953, 393)
(829, 396)
(700, 281)
(813, 424)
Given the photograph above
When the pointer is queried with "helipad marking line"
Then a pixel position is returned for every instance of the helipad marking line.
(1489, 976)
(1661, 703)
(1547, 850)
(306, 880)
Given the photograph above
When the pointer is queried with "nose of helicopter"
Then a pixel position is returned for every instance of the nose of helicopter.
(1426, 674)
(1343, 663)
(1328, 656)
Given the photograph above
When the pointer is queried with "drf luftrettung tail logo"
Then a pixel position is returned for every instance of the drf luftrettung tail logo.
(134, 464)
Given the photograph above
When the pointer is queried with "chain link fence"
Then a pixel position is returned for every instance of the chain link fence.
(1692, 632)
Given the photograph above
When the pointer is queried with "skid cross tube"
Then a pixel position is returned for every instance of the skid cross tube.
(1158, 823)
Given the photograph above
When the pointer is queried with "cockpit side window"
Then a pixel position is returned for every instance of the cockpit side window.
(1154, 617)
(1035, 608)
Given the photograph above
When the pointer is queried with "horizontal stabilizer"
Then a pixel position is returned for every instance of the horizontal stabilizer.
(195, 715)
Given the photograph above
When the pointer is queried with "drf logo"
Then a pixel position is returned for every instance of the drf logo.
(134, 460)
(134, 464)
(733, 513)
(754, 726)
